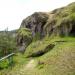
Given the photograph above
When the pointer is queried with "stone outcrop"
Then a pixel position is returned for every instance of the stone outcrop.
(59, 22)
(35, 22)
(24, 38)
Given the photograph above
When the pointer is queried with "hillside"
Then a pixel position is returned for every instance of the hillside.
(59, 22)
(47, 43)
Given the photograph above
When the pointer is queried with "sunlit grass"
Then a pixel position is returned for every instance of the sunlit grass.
(58, 61)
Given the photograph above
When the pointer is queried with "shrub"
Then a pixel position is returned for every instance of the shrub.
(7, 44)
(24, 36)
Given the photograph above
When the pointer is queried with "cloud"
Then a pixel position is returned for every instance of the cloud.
(12, 12)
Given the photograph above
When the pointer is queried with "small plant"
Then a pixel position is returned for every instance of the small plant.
(40, 64)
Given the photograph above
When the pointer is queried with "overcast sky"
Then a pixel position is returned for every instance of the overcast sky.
(12, 12)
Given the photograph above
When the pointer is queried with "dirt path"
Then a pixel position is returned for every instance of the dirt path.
(27, 69)
(31, 64)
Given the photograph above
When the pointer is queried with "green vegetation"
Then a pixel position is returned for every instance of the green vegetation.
(36, 37)
(54, 54)
(24, 32)
(38, 48)
(7, 46)
(19, 62)
(24, 36)
(60, 59)
(61, 20)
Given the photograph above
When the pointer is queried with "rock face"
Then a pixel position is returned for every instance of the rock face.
(59, 22)
(24, 38)
(35, 22)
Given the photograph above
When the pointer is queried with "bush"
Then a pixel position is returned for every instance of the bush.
(7, 44)
(24, 36)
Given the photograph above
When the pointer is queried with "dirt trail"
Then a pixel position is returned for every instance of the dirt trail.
(31, 64)
(27, 69)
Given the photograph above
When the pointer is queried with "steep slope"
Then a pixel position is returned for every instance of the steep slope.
(58, 61)
(59, 22)
(35, 22)
(56, 56)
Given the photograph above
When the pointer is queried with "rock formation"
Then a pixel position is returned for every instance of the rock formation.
(59, 22)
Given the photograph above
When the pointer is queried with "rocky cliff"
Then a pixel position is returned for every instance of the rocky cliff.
(35, 22)
(59, 22)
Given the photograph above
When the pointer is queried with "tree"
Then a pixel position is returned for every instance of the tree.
(7, 43)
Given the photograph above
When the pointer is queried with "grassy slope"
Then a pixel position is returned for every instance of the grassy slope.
(59, 61)
(20, 61)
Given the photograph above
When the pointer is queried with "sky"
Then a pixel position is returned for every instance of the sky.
(12, 12)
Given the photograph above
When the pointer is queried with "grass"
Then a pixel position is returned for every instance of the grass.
(19, 62)
(58, 61)
(37, 46)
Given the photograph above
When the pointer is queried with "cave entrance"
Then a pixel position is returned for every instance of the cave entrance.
(72, 33)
